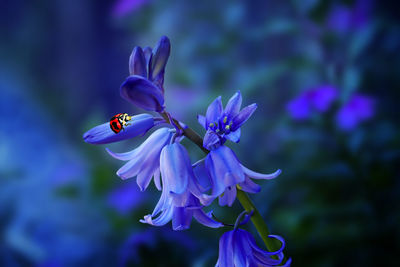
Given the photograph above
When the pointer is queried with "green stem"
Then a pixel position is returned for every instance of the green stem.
(257, 220)
(245, 201)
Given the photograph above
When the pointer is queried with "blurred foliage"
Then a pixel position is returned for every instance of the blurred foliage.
(337, 201)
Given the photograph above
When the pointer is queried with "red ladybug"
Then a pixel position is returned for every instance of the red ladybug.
(118, 122)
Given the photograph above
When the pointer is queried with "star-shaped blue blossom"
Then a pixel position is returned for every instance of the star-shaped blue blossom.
(221, 173)
(222, 124)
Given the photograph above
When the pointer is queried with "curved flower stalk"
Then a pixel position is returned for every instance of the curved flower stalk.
(221, 172)
(143, 161)
(238, 248)
(178, 202)
(102, 134)
(144, 87)
(222, 124)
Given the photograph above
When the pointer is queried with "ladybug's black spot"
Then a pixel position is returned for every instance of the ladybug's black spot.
(115, 127)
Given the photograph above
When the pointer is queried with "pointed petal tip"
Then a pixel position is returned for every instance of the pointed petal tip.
(180, 227)
(164, 39)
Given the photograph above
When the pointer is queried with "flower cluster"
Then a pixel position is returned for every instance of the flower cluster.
(186, 188)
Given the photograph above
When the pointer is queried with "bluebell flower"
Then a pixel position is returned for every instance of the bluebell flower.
(178, 201)
(222, 124)
(358, 109)
(144, 161)
(221, 172)
(102, 134)
(144, 87)
(238, 248)
(319, 99)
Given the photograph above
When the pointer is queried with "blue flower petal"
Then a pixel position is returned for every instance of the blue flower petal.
(217, 184)
(148, 53)
(233, 106)
(234, 136)
(228, 197)
(181, 218)
(243, 116)
(130, 169)
(144, 160)
(202, 177)
(205, 219)
(211, 140)
(202, 120)
(163, 203)
(257, 175)
(137, 63)
(214, 111)
(157, 181)
(160, 136)
(225, 166)
(175, 167)
(225, 258)
(142, 93)
(238, 248)
(158, 61)
(102, 134)
(147, 171)
(162, 219)
(249, 186)
(125, 155)
(242, 250)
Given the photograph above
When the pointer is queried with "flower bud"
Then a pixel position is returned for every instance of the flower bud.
(142, 93)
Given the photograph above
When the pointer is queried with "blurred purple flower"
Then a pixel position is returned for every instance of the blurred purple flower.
(238, 248)
(144, 88)
(343, 18)
(125, 198)
(222, 124)
(358, 109)
(319, 99)
(124, 7)
(221, 172)
(178, 202)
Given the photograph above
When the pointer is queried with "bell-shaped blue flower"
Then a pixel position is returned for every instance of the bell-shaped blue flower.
(102, 134)
(145, 87)
(238, 248)
(178, 201)
(221, 173)
(144, 161)
(222, 124)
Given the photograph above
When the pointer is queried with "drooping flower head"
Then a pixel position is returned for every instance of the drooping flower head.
(144, 87)
(221, 172)
(144, 161)
(238, 248)
(178, 201)
(222, 124)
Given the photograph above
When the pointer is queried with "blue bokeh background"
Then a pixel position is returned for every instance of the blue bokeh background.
(337, 202)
